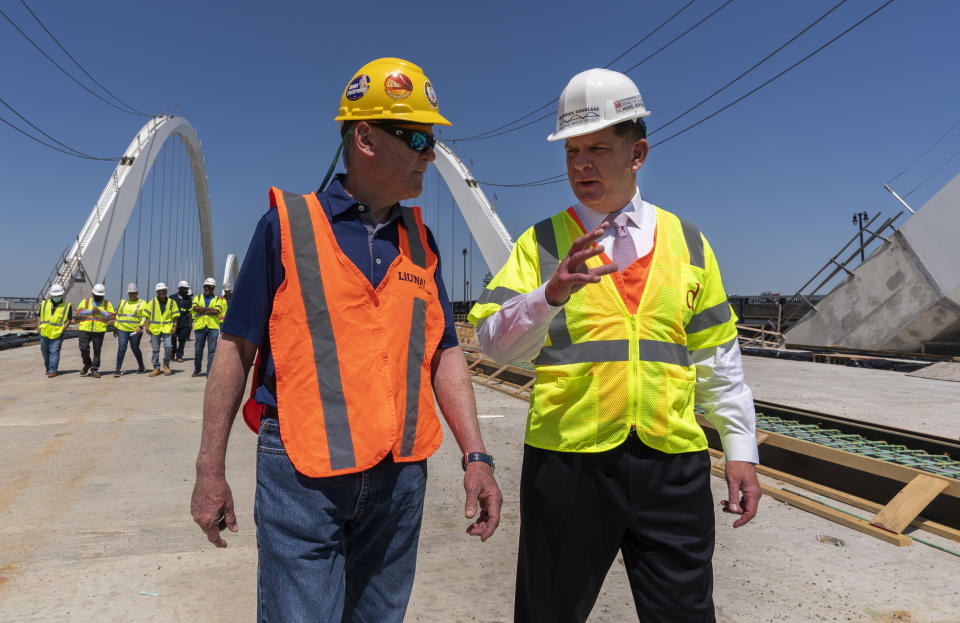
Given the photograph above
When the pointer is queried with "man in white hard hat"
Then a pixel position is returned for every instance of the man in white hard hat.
(620, 306)
(55, 317)
(356, 347)
(162, 314)
(131, 316)
(94, 313)
(208, 310)
(181, 332)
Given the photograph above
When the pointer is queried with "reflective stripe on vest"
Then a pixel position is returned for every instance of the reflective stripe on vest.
(52, 319)
(126, 318)
(371, 392)
(94, 322)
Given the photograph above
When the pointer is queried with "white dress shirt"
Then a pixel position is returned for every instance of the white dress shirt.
(518, 330)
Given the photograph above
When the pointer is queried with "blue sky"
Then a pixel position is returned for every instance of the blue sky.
(772, 182)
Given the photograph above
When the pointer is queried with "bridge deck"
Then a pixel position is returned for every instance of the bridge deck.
(96, 475)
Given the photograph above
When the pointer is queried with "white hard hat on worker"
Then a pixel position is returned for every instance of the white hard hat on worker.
(600, 117)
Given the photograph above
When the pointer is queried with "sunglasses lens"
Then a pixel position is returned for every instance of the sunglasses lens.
(418, 141)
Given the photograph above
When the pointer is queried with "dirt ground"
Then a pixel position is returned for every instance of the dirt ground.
(96, 475)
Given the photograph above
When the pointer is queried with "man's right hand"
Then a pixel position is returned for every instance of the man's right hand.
(573, 274)
(212, 507)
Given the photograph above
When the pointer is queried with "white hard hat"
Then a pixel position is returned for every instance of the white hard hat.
(99, 290)
(595, 99)
(228, 287)
(183, 284)
(210, 281)
(56, 290)
(132, 287)
(161, 286)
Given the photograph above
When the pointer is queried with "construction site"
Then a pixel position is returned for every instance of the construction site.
(854, 374)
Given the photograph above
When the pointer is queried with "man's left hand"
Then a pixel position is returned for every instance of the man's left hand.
(744, 491)
(482, 488)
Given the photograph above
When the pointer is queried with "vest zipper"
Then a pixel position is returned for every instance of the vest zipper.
(635, 373)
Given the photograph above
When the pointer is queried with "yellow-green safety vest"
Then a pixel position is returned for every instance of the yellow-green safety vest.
(204, 321)
(603, 370)
(161, 319)
(52, 318)
(95, 322)
(130, 315)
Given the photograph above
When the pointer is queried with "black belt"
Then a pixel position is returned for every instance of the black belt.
(269, 413)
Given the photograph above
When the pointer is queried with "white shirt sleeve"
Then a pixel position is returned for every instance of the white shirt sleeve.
(518, 330)
(726, 400)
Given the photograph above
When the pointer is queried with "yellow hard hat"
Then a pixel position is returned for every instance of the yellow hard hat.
(390, 88)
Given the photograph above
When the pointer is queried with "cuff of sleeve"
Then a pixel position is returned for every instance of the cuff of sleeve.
(741, 447)
(538, 306)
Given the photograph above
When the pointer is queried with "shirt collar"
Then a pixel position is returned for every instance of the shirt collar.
(635, 209)
(337, 200)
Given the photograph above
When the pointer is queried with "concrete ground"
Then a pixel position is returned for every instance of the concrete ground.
(96, 476)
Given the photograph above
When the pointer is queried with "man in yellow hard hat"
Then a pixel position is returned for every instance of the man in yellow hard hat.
(620, 306)
(354, 347)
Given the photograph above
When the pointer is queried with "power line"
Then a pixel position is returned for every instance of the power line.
(925, 152)
(71, 151)
(937, 170)
(559, 178)
(77, 63)
(496, 131)
(65, 72)
(754, 66)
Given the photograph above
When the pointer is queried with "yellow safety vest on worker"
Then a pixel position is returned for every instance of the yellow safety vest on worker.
(604, 370)
(97, 321)
(52, 318)
(206, 321)
(161, 317)
(130, 315)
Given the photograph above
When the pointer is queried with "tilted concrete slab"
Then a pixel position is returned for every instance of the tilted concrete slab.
(907, 292)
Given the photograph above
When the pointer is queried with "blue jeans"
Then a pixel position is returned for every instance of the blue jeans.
(50, 349)
(336, 549)
(123, 337)
(167, 349)
(201, 336)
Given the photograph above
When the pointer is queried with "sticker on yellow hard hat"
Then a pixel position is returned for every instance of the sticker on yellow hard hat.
(398, 86)
(357, 87)
(430, 93)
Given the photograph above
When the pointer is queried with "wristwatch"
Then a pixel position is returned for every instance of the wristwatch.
(477, 456)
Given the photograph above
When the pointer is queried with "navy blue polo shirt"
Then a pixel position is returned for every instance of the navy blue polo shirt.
(262, 271)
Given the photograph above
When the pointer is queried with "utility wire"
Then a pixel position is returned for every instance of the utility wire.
(65, 72)
(77, 63)
(70, 151)
(926, 151)
(754, 66)
(937, 170)
(496, 131)
(560, 178)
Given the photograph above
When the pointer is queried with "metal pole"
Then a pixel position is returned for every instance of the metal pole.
(898, 198)
(464, 275)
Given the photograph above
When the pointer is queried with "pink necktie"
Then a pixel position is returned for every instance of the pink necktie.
(624, 251)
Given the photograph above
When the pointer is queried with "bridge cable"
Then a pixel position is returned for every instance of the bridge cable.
(937, 170)
(926, 151)
(495, 131)
(77, 63)
(67, 73)
(558, 178)
(75, 152)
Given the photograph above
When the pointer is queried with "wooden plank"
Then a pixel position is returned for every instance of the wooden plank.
(811, 506)
(910, 502)
(761, 437)
(846, 498)
(860, 525)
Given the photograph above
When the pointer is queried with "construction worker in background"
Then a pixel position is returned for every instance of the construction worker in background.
(55, 316)
(227, 292)
(162, 314)
(128, 326)
(208, 309)
(353, 348)
(620, 306)
(94, 313)
(181, 332)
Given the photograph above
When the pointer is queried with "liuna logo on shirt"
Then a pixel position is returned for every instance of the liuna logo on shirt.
(402, 276)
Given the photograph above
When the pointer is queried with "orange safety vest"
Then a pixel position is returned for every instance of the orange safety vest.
(353, 374)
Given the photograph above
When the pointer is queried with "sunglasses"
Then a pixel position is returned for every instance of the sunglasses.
(417, 140)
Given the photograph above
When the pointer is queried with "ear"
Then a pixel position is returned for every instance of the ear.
(363, 139)
(639, 153)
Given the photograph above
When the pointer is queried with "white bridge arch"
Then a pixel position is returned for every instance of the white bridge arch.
(93, 250)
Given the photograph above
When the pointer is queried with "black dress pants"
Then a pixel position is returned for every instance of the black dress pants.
(181, 336)
(577, 510)
(86, 338)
